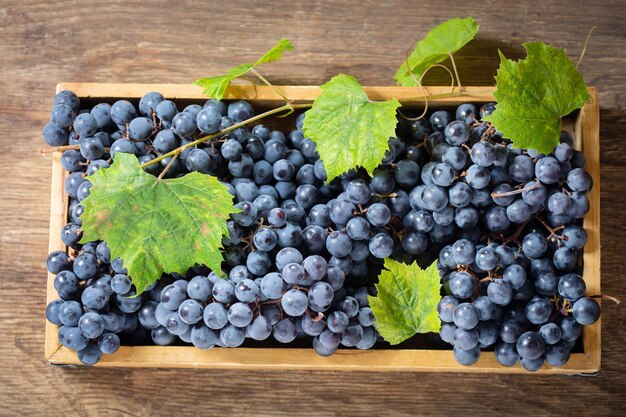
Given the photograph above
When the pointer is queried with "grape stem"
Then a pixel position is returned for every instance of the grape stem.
(553, 236)
(287, 107)
(424, 96)
(391, 195)
(262, 78)
(515, 236)
(456, 73)
(169, 164)
(64, 148)
(607, 297)
(536, 185)
(582, 54)
(315, 317)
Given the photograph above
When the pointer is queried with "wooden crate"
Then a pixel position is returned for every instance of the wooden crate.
(585, 125)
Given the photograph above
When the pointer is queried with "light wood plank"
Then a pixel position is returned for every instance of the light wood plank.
(379, 360)
(58, 216)
(264, 93)
(588, 129)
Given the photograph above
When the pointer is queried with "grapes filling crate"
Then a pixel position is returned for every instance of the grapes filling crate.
(583, 123)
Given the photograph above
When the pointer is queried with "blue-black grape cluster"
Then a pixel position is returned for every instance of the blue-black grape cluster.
(281, 281)
(302, 255)
(510, 225)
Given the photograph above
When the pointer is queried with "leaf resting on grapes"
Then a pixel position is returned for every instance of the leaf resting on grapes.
(534, 93)
(445, 39)
(215, 87)
(349, 129)
(156, 226)
(407, 301)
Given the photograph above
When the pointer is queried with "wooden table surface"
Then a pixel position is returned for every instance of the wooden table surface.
(42, 43)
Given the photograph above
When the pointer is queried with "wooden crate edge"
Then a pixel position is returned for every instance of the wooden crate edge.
(57, 354)
(382, 360)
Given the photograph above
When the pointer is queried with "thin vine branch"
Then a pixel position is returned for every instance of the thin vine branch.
(536, 185)
(287, 107)
(458, 79)
(419, 84)
(169, 164)
(582, 54)
(262, 78)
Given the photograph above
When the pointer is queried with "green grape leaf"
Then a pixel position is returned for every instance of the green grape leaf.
(156, 226)
(407, 301)
(349, 129)
(533, 94)
(215, 87)
(445, 39)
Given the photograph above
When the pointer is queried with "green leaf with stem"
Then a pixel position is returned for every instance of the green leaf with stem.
(533, 94)
(439, 44)
(349, 129)
(156, 225)
(215, 87)
(406, 301)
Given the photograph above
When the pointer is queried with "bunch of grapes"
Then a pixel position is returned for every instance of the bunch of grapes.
(511, 229)
(281, 281)
(302, 255)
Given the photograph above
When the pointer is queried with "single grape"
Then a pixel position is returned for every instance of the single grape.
(223, 291)
(530, 346)
(465, 316)
(294, 302)
(91, 325)
(337, 322)
(109, 343)
(571, 287)
(456, 132)
(380, 245)
(579, 180)
(500, 292)
(285, 331)
(557, 354)
(538, 310)
(259, 329)
(510, 331)
(465, 339)
(466, 357)
(586, 311)
(550, 333)
(462, 285)
(359, 191)
(521, 169)
(339, 244)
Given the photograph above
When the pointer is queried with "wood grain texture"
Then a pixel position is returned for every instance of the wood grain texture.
(136, 41)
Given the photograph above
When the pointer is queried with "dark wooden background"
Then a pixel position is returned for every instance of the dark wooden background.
(42, 43)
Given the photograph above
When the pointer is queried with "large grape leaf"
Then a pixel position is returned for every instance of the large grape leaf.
(445, 39)
(407, 301)
(215, 87)
(349, 129)
(156, 225)
(534, 93)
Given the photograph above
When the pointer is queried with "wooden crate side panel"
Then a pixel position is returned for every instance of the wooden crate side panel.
(588, 134)
(266, 94)
(383, 360)
(58, 216)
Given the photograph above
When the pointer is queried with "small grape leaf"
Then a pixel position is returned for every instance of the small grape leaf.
(156, 226)
(215, 87)
(533, 94)
(349, 129)
(445, 39)
(407, 301)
